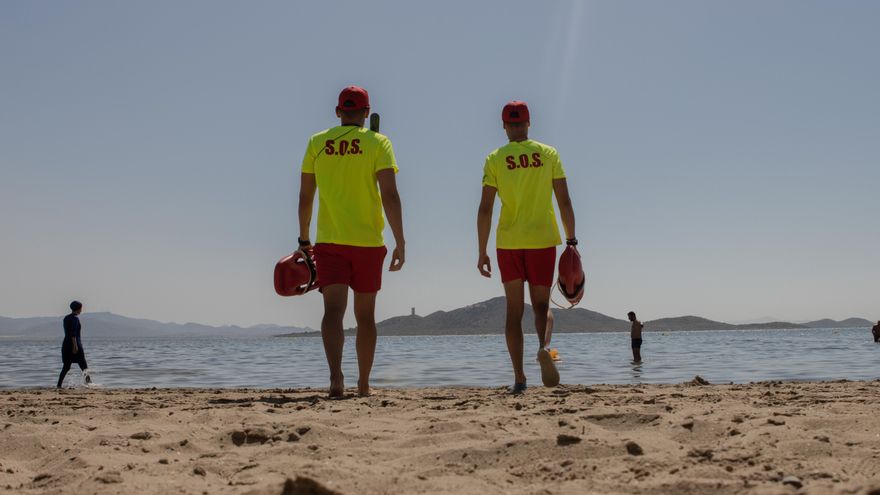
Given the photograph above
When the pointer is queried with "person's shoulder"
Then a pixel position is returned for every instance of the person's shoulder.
(378, 137)
(321, 134)
(498, 151)
(543, 147)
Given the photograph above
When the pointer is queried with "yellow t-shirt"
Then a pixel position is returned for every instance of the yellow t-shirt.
(523, 174)
(345, 160)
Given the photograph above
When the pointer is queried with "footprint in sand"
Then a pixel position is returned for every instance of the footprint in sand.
(622, 421)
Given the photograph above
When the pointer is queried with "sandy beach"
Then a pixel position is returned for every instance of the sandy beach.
(689, 438)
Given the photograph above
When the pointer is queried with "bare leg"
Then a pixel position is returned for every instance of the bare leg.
(549, 333)
(637, 354)
(515, 293)
(365, 314)
(335, 302)
(540, 296)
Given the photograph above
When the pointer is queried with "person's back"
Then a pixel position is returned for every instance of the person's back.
(523, 173)
(344, 160)
(635, 331)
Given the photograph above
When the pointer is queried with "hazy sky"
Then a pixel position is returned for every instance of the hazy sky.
(723, 157)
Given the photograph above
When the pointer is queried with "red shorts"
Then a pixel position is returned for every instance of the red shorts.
(535, 266)
(357, 267)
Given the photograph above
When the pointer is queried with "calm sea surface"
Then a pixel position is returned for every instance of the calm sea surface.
(723, 356)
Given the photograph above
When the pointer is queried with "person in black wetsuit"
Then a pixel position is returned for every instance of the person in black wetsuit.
(71, 349)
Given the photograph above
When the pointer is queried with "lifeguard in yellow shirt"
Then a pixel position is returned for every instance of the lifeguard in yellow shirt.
(524, 174)
(353, 171)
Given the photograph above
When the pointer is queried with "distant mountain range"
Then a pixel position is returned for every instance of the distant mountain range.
(113, 325)
(488, 317)
(485, 317)
(847, 323)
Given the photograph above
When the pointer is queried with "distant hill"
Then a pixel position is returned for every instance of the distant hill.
(488, 317)
(16, 326)
(847, 323)
(687, 323)
(113, 325)
(771, 325)
(698, 323)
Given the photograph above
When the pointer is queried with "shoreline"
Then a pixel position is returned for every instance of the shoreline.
(676, 438)
(351, 390)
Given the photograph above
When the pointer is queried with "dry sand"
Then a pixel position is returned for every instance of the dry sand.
(681, 439)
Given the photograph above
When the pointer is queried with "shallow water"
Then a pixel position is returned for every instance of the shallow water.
(669, 357)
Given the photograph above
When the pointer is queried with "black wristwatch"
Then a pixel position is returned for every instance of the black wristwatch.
(304, 242)
(571, 242)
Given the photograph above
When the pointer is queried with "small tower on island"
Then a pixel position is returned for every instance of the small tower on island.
(413, 313)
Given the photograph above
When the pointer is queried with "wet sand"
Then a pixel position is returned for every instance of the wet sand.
(764, 438)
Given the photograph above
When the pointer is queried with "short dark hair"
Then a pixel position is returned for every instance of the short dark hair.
(352, 114)
(631, 313)
(76, 306)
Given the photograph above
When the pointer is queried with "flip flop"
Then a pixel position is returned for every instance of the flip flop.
(517, 388)
(549, 373)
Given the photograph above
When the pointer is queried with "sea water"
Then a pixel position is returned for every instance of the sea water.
(481, 360)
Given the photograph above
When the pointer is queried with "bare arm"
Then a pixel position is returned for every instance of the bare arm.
(394, 214)
(307, 188)
(484, 226)
(566, 211)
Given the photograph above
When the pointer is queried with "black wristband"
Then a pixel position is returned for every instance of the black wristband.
(571, 242)
(304, 242)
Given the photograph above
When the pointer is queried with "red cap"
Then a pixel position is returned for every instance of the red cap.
(515, 111)
(353, 98)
